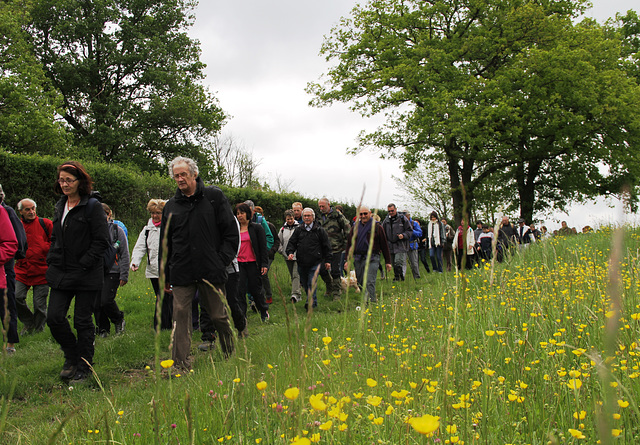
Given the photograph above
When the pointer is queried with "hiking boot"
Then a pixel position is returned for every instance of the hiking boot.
(120, 326)
(68, 371)
(208, 346)
(80, 376)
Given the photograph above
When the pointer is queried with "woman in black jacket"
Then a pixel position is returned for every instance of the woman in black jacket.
(75, 267)
(253, 261)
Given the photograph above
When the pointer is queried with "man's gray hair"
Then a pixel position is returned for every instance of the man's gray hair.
(309, 209)
(193, 167)
(250, 204)
(21, 205)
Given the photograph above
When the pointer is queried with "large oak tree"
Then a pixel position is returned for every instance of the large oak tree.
(511, 92)
(129, 75)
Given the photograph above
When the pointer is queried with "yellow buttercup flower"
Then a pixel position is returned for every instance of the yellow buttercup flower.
(426, 424)
(166, 364)
(326, 426)
(577, 434)
(292, 393)
(261, 385)
(317, 403)
(326, 340)
(371, 383)
(374, 400)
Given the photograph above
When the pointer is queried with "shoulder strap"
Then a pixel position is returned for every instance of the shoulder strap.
(146, 244)
(44, 227)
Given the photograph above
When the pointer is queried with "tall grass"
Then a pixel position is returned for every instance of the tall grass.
(547, 353)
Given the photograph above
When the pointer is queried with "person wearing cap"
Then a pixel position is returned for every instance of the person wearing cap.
(521, 232)
(398, 231)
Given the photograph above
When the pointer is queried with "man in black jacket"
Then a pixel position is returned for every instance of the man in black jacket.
(202, 240)
(310, 244)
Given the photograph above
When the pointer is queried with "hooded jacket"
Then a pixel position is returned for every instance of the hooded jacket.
(202, 236)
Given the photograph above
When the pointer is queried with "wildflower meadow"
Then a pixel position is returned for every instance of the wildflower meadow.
(540, 349)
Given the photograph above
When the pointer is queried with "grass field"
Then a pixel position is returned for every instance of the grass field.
(541, 349)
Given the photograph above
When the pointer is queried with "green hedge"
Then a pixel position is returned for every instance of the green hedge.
(127, 191)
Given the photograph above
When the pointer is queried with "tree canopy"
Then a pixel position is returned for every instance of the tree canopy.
(29, 107)
(129, 76)
(508, 92)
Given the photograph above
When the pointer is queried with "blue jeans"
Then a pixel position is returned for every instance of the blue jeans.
(309, 280)
(372, 273)
(436, 258)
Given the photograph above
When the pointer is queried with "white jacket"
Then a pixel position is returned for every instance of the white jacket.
(284, 234)
(151, 234)
(470, 240)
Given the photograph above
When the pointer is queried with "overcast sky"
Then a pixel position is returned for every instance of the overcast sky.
(260, 56)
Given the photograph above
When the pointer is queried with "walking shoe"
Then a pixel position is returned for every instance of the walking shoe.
(120, 326)
(11, 350)
(208, 346)
(103, 334)
(265, 316)
(68, 371)
(79, 377)
(295, 299)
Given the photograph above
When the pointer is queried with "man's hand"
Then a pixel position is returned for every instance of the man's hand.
(167, 288)
(290, 257)
(263, 271)
(389, 267)
(134, 267)
(327, 266)
(122, 283)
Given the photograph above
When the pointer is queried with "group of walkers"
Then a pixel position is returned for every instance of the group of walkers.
(213, 252)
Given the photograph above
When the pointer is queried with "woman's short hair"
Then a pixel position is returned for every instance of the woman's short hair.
(106, 208)
(434, 215)
(289, 212)
(85, 183)
(155, 204)
(243, 208)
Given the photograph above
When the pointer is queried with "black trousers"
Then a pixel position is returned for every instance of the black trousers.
(107, 310)
(76, 350)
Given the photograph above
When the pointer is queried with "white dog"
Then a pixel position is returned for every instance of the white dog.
(352, 281)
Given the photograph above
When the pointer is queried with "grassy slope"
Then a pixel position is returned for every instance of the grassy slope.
(503, 356)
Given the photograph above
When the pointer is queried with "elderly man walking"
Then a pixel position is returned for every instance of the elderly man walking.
(30, 271)
(202, 239)
(398, 231)
(361, 249)
(309, 246)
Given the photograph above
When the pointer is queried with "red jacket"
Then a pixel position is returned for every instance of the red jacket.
(31, 270)
(8, 244)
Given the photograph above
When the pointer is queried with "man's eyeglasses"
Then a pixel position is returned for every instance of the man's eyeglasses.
(364, 213)
(66, 181)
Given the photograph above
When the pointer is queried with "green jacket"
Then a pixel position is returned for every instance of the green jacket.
(337, 226)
